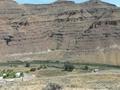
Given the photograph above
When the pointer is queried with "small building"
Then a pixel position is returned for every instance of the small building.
(95, 70)
(19, 74)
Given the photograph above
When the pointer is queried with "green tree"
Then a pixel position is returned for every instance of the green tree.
(68, 66)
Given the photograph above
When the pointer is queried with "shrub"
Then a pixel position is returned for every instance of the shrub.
(27, 64)
(53, 86)
(68, 67)
(86, 67)
(42, 67)
(5, 75)
(38, 68)
(33, 69)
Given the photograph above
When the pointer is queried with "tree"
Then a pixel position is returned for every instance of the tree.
(27, 64)
(68, 67)
(86, 67)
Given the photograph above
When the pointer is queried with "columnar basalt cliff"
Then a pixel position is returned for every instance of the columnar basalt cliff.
(88, 32)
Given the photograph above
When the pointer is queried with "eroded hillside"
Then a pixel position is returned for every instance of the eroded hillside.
(88, 32)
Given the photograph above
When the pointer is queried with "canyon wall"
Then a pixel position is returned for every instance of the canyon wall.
(88, 32)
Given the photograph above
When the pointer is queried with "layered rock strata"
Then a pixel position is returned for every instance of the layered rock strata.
(88, 32)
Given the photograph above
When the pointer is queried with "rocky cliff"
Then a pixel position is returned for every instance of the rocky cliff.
(88, 32)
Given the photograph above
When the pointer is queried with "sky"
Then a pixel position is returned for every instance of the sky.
(116, 2)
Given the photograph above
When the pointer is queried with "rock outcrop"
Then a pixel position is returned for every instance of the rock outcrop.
(88, 32)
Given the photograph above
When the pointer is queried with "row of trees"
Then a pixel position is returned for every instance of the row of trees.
(67, 67)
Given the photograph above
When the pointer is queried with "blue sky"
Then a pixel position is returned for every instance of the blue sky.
(117, 2)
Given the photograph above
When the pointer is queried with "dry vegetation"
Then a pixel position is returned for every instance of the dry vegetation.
(81, 78)
(72, 82)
